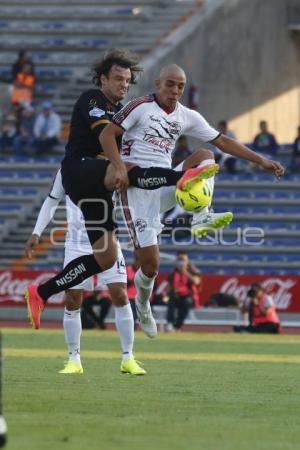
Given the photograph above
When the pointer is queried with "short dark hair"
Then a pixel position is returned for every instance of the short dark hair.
(122, 58)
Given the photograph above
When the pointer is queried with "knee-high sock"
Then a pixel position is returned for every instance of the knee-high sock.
(144, 286)
(125, 327)
(72, 329)
(74, 273)
(211, 182)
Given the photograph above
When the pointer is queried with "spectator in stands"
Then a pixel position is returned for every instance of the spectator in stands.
(23, 58)
(8, 132)
(263, 317)
(181, 282)
(193, 97)
(47, 128)
(182, 151)
(226, 161)
(295, 161)
(94, 310)
(24, 140)
(23, 86)
(265, 142)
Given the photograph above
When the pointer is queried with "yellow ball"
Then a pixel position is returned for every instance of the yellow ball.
(197, 198)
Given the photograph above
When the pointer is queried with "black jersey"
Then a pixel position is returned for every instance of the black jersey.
(91, 113)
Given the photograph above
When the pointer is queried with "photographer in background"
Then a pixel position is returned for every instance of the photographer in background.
(263, 317)
(181, 291)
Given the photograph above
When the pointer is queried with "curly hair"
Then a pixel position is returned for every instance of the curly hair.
(122, 58)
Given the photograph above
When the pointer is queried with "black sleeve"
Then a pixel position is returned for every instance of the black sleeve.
(93, 113)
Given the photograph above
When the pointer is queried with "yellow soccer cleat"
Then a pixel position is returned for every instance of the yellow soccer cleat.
(202, 224)
(72, 367)
(131, 366)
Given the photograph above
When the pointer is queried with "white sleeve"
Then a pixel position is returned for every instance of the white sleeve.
(50, 204)
(129, 115)
(57, 190)
(198, 127)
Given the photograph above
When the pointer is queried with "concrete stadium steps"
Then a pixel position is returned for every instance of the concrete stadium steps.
(65, 39)
(62, 58)
(88, 44)
(119, 3)
(62, 28)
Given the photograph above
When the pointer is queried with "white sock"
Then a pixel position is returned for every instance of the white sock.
(205, 162)
(211, 183)
(125, 326)
(72, 328)
(144, 286)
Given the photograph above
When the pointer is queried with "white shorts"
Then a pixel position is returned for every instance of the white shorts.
(116, 274)
(141, 212)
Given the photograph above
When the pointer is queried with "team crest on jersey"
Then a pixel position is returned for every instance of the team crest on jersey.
(162, 133)
(96, 112)
(141, 225)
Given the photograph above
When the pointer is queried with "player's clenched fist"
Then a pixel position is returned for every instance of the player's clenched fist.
(273, 166)
(31, 244)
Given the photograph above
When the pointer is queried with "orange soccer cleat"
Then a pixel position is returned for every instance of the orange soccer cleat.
(192, 176)
(35, 305)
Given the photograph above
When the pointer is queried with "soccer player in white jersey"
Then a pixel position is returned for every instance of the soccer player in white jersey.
(150, 127)
(77, 244)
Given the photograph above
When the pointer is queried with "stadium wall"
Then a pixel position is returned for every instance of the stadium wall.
(245, 61)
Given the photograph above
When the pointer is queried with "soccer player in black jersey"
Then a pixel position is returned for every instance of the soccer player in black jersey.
(88, 178)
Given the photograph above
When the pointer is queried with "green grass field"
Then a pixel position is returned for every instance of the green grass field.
(202, 391)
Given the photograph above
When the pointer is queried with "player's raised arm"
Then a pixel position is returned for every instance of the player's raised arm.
(235, 148)
(108, 141)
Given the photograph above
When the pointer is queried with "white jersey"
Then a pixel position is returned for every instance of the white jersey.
(151, 133)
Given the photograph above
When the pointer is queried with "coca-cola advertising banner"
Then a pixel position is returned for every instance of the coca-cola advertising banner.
(285, 290)
(14, 282)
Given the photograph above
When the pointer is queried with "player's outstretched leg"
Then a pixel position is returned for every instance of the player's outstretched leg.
(152, 178)
(73, 273)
